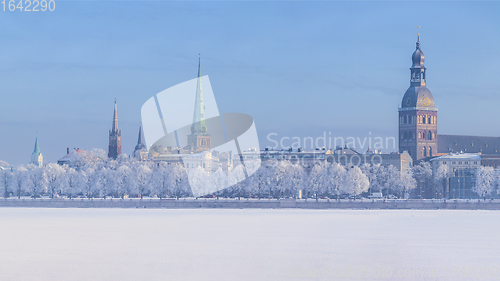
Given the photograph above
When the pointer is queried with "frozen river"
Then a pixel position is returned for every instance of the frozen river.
(248, 244)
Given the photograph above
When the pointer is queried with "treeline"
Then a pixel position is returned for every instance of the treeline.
(100, 177)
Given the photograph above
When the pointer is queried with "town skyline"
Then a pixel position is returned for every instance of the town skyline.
(295, 93)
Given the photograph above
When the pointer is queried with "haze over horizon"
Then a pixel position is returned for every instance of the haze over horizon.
(298, 68)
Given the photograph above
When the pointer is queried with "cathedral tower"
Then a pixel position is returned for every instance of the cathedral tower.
(115, 138)
(199, 139)
(417, 114)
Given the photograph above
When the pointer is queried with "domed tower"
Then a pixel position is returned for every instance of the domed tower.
(417, 114)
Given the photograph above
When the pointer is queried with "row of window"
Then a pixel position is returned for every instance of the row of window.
(186, 165)
(460, 162)
(429, 135)
(419, 119)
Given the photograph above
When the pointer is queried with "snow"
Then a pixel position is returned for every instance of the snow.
(248, 244)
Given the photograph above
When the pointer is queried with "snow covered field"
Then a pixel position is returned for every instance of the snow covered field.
(248, 244)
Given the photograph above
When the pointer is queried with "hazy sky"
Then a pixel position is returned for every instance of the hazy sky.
(299, 68)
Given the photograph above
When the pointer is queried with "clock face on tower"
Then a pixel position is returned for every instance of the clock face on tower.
(408, 101)
(425, 101)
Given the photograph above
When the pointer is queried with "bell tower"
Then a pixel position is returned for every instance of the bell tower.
(418, 114)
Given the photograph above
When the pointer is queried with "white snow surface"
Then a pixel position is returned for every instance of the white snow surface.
(248, 244)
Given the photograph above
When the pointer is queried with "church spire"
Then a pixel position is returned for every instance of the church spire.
(140, 140)
(36, 151)
(199, 127)
(36, 156)
(114, 127)
(115, 141)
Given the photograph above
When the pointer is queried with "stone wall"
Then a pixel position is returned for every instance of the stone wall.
(253, 203)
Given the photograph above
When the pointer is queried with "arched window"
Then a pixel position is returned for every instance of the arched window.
(430, 151)
(423, 119)
(430, 135)
(429, 120)
(423, 135)
(424, 152)
(419, 135)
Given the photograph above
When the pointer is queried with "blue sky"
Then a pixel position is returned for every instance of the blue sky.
(299, 68)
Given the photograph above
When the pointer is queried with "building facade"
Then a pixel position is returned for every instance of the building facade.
(115, 138)
(418, 114)
(455, 175)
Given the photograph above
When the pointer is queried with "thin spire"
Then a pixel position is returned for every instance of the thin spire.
(199, 65)
(140, 140)
(114, 127)
(199, 126)
(418, 37)
(37, 146)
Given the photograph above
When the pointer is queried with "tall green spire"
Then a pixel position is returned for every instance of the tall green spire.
(199, 127)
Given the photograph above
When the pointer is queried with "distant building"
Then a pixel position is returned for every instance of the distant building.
(115, 138)
(36, 156)
(460, 175)
(141, 152)
(418, 114)
(468, 144)
(343, 156)
(73, 158)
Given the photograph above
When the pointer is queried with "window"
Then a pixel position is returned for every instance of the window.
(423, 119)
(424, 152)
(430, 151)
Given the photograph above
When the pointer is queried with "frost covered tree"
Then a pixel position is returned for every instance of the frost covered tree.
(485, 181)
(160, 181)
(218, 181)
(199, 181)
(55, 174)
(143, 178)
(440, 175)
(236, 181)
(298, 177)
(21, 180)
(317, 181)
(37, 184)
(423, 176)
(335, 179)
(405, 183)
(72, 185)
(257, 183)
(124, 180)
(355, 182)
(6, 182)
